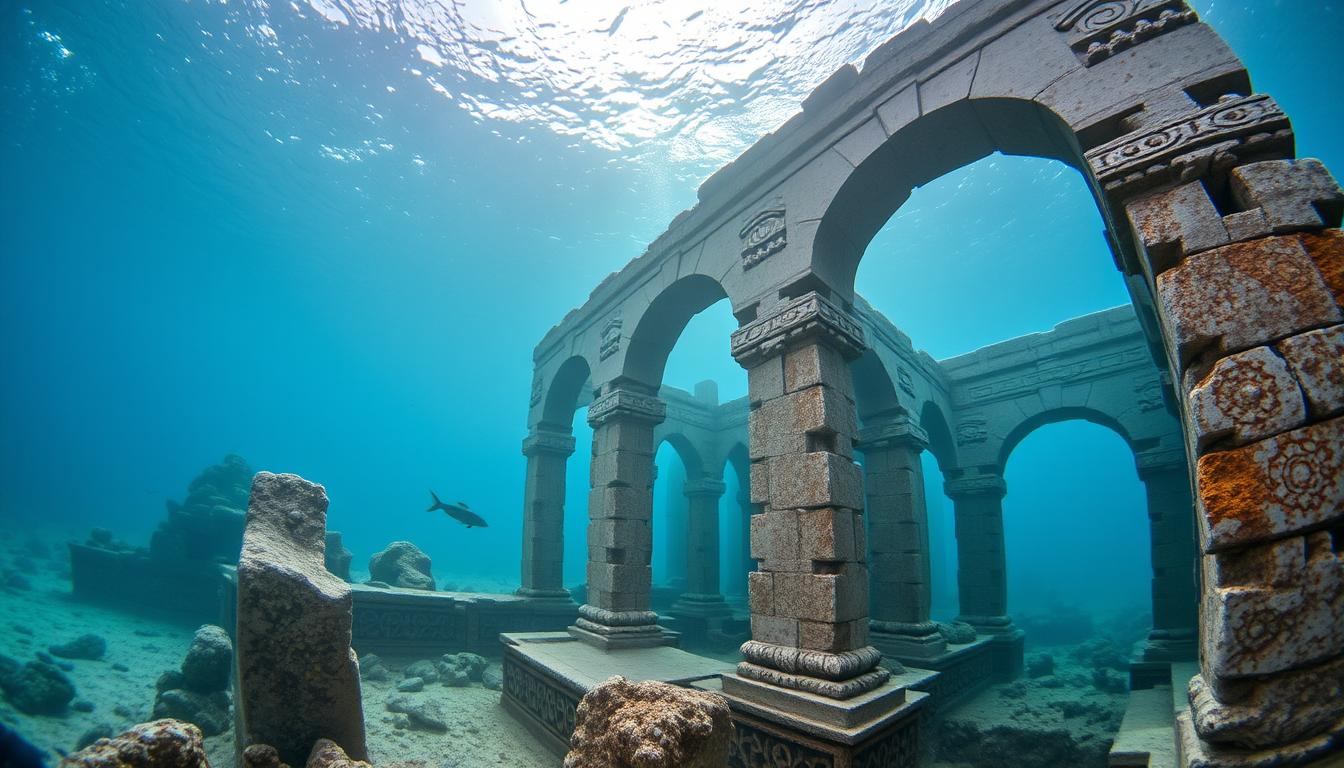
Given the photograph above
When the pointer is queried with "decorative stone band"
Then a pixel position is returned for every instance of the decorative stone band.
(892, 434)
(713, 488)
(1158, 461)
(626, 404)
(543, 594)
(617, 618)
(904, 628)
(829, 666)
(540, 442)
(807, 317)
(847, 689)
(604, 629)
(1235, 128)
(1099, 29)
(979, 485)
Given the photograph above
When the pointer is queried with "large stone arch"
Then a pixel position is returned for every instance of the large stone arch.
(658, 326)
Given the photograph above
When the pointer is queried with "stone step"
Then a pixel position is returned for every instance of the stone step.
(1147, 737)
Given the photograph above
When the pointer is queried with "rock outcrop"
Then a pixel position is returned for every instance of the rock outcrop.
(402, 564)
(208, 525)
(298, 679)
(620, 724)
(159, 744)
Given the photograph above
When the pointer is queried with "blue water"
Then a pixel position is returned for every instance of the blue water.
(327, 235)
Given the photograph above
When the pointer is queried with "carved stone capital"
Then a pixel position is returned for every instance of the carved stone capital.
(626, 404)
(706, 487)
(810, 317)
(543, 441)
(976, 485)
(898, 432)
(1219, 137)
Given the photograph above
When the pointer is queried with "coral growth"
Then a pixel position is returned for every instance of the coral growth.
(160, 744)
(621, 724)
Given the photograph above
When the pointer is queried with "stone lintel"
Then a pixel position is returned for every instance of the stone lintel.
(544, 441)
(810, 317)
(626, 404)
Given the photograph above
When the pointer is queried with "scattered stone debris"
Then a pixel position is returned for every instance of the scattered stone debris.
(87, 647)
(422, 715)
(371, 667)
(209, 660)
(620, 724)
(956, 632)
(198, 694)
(1041, 665)
(36, 688)
(402, 564)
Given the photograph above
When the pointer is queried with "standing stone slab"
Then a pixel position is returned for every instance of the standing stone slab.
(298, 679)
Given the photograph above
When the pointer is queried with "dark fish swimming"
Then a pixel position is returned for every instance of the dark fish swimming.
(458, 512)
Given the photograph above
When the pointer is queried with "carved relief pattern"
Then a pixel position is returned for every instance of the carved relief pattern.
(626, 404)
(1100, 29)
(384, 624)
(548, 442)
(975, 485)
(809, 313)
(1134, 161)
(906, 382)
(1303, 471)
(1148, 395)
(754, 748)
(962, 679)
(763, 236)
(972, 429)
(898, 748)
(611, 338)
(537, 390)
(692, 417)
(1093, 367)
(552, 707)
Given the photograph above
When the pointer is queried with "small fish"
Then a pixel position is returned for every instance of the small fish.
(459, 512)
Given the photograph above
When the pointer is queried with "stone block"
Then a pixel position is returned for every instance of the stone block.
(765, 381)
(621, 468)
(835, 637)
(827, 534)
(823, 596)
(615, 577)
(810, 480)
(1273, 607)
(775, 629)
(620, 533)
(1242, 295)
(620, 502)
(624, 435)
(1316, 358)
(624, 600)
(1271, 711)
(1327, 250)
(900, 110)
(774, 535)
(761, 593)
(1278, 486)
(1174, 223)
(1023, 61)
(817, 365)
(759, 482)
(1246, 397)
(949, 86)
(1293, 195)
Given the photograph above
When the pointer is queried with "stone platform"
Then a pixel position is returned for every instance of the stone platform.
(547, 673)
(964, 670)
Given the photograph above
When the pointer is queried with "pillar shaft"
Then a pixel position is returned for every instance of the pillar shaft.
(702, 552)
(620, 511)
(982, 585)
(547, 453)
(1175, 591)
(809, 594)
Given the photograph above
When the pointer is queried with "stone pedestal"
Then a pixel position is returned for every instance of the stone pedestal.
(620, 512)
(898, 536)
(547, 453)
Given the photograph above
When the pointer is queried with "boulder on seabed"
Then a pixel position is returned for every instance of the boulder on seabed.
(36, 688)
(294, 615)
(402, 564)
(158, 744)
(209, 660)
(87, 647)
(620, 724)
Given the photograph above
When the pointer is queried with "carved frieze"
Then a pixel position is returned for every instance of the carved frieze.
(804, 317)
(753, 747)
(545, 441)
(550, 706)
(906, 382)
(690, 416)
(1234, 127)
(894, 432)
(763, 235)
(975, 485)
(537, 388)
(611, 337)
(972, 429)
(1090, 367)
(897, 748)
(623, 403)
(1099, 29)
(1148, 395)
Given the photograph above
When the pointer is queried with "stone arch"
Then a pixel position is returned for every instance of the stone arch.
(941, 444)
(661, 323)
(686, 451)
(874, 393)
(1054, 416)
(564, 394)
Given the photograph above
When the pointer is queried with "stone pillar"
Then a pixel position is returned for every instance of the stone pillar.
(744, 509)
(982, 586)
(620, 512)
(703, 597)
(1166, 478)
(547, 453)
(675, 538)
(898, 535)
(809, 594)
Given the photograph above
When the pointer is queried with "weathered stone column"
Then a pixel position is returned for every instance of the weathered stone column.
(547, 453)
(744, 509)
(1166, 478)
(982, 586)
(703, 596)
(898, 535)
(809, 595)
(620, 512)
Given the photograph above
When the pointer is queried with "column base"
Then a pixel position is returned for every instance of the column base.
(907, 641)
(1193, 752)
(781, 728)
(701, 606)
(990, 625)
(545, 595)
(626, 637)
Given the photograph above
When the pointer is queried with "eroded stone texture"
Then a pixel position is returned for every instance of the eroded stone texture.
(1246, 397)
(1277, 486)
(328, 754)
(402, 564)
(1327, 250)
(1292, 194)
(158, 744)
(620, 724)
(1273, 607)
(1268, 711)
(1241, 295)
(1317, 360)
(1174, 223)
(298, 679)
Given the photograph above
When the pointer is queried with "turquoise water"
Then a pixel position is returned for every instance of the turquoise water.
(327, 235)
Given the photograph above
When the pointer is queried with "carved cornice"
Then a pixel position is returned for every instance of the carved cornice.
(545, 441)
(976, 485)
(893, 433)
(1185, 149)
(626, 404)
(1099, 29)
(805, 318)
